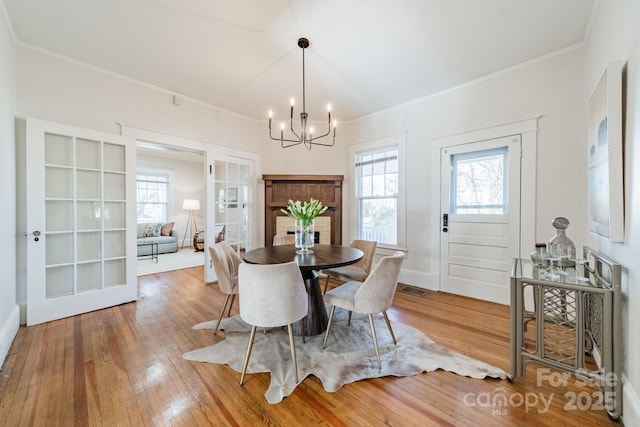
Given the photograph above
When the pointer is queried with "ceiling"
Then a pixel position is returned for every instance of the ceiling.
(365, 55)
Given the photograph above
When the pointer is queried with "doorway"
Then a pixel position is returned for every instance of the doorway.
(170, 189)
(242, 236)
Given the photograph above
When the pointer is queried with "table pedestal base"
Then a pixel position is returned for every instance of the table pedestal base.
(316, 321)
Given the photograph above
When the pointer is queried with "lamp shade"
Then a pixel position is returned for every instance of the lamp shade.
(191, 204)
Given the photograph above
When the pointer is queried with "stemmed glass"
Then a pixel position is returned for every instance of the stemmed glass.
(581, 270)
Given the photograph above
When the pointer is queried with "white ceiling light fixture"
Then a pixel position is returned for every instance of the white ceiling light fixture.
(305, 135)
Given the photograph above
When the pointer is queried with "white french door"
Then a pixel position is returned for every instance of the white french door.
(80, 206)
(480, 217)
(232, 196)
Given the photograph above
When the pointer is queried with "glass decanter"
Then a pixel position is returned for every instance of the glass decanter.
(561, 248)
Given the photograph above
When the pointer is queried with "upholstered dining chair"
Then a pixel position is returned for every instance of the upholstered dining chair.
(284, 239)
(225, 263)
(271, 295)
(358, 271)
(370, 297)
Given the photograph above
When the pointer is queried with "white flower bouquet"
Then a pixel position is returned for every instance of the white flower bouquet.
(304, 212)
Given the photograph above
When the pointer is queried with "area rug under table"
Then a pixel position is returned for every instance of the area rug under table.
(348, 357)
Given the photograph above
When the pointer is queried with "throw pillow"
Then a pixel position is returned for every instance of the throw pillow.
(156, 230)
(148, 231)
(166, 229)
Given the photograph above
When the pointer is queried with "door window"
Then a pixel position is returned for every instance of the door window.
(478, 184)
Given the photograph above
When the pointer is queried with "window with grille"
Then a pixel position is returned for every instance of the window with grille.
(377, 193)
(152, 198)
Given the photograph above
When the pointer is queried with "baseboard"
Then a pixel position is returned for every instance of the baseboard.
(419, 279)
(630, 404)
(8, 332)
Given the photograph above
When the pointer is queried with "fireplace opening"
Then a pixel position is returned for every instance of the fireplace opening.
(322, 228)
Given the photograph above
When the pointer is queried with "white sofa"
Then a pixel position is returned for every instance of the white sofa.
(151, 233)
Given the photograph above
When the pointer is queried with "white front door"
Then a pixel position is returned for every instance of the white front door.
(81, 251)
(480, 217)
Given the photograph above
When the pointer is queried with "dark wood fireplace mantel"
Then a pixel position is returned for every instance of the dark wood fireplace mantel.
(278, 189)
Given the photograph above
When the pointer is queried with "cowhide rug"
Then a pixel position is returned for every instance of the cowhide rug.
(348, 357)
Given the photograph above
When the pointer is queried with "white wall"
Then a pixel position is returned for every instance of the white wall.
(9, 313)
(188, 183)
(58, 90)
(615, 36)
(299, 160)
(548, 88)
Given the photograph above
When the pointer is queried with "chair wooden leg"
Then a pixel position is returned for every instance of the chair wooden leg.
(326, 333)
(248, 355)
(349, 322)
(293, 351)
(389, 326)
(224, 307)
(375, 340)
(233, 298)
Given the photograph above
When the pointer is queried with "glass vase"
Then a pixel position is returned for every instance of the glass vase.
(305, 235)
(540, 260)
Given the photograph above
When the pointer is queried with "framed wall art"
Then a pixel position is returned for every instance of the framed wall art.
(606, 187)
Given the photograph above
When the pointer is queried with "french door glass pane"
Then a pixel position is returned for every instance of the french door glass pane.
(59, 215)
(221, 215)
(89, 244)
(60, 281)
(243, 174)
(88, 215)
(232, 172)
(114, 157)
(114, 244)
(58, 150)
(220, 170)
(89, 276)
(114, 272)
(114, 186)
(89, 184)
(59, 249)
(88, 153)
(113, 215)
(58, 182)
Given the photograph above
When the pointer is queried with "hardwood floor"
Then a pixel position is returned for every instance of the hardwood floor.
(123, 366)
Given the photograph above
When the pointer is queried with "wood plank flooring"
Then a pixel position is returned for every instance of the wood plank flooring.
(122, 366)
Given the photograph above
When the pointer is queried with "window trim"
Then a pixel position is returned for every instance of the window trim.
(395, 140)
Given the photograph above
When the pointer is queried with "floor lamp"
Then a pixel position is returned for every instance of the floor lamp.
(190, 205)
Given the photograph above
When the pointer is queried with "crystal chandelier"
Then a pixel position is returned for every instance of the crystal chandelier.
(305, 135)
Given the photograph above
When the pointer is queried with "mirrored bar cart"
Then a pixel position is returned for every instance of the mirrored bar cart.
(568, 316)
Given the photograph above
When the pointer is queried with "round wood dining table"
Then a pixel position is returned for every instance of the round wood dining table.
(322, 257)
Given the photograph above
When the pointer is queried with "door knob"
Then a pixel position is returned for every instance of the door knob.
(36, 235)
